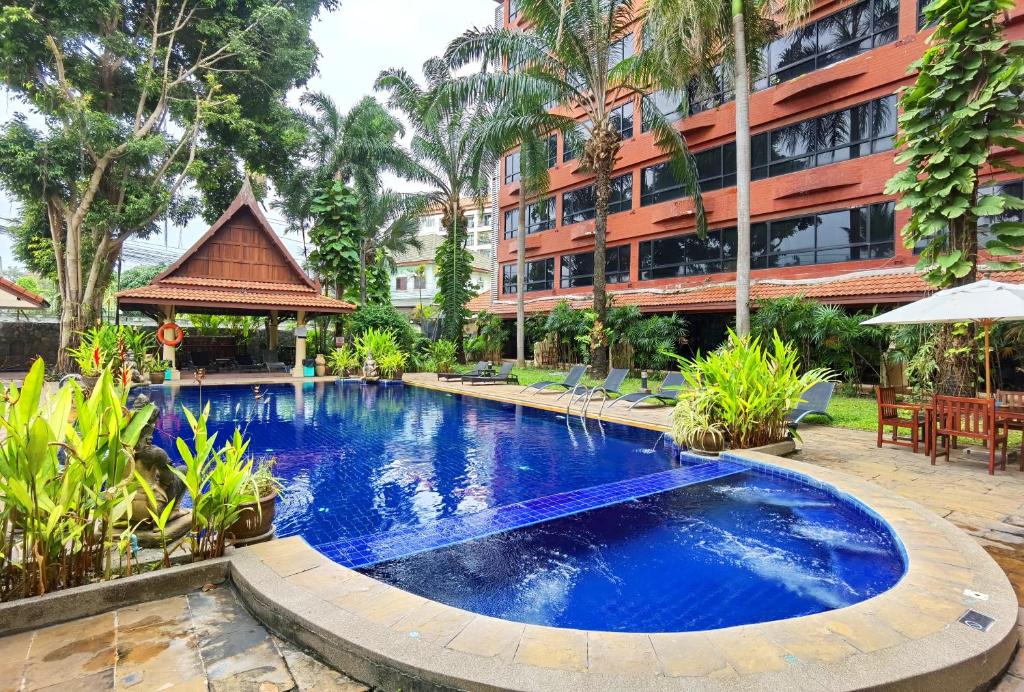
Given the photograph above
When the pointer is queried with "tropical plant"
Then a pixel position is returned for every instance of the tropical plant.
(264, 479)
(389, 226)
(654, 336)
(569, 58)
(443, 146)
(392, 365)
(219, 480)
(383, 318)
(705, 42)
(745, 388)
(958, 118)
(336, 235)
(382, 343)
(490, 337)
(570, 330)
(66, 482)
(694, 426)
(343, 360)
(443, 355)
(130, 101)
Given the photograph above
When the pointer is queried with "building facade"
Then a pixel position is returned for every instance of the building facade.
(414, 279)
(823, 121)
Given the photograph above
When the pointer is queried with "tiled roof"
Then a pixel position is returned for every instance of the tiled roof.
(20, 293)
(213, 296)
(887, 285)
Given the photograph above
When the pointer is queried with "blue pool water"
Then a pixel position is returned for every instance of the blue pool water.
(363, 464)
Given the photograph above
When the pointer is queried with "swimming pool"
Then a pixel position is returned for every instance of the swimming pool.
(363, 462)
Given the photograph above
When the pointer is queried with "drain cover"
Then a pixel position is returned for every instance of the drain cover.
(977, 621)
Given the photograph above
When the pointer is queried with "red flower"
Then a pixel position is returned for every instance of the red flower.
(96, 357)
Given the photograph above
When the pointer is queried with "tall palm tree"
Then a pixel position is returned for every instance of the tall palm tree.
(567, 58)
(445, 158)
(500, 133)
(688, 39)
(390, 226)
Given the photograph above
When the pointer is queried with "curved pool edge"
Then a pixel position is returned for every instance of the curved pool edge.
(906, 638)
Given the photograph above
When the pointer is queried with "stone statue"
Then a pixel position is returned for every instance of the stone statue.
(370, 367)
(154, 465)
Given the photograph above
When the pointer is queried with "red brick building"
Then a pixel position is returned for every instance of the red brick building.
(822, 121)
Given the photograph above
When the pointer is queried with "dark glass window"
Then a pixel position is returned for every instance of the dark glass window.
(540, 216)
(540, 276)
(716, 168)
(705, 94)
(620, 50)
(658, 184)
(843, 34)
(583, 134)
(513, 11)
(552, 150)
(512, 168)
(511, 224)
(580, 204)
(847, 134)
(578, 269)
(839, 236)
(419, 282)
(508, 278)
(668, 103)
(622, 120)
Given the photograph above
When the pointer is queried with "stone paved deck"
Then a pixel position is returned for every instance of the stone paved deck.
(202, 641)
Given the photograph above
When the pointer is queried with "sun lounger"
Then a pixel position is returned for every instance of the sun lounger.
(504, 376)
(479, 370)
(571, 381)
(816, 400)
(667, 393)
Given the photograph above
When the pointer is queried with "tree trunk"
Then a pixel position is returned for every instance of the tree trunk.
(521, 283)
(602, 187)
(956, 349)
(742, 87)
(362, 274)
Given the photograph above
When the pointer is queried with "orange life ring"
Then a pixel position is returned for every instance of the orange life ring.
(175, 340)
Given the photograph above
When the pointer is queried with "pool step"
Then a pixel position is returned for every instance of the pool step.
(369, 550)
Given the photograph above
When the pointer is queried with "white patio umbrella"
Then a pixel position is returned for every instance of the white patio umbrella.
(983, 302)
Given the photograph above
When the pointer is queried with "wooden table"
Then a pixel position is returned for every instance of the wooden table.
(1005, 415)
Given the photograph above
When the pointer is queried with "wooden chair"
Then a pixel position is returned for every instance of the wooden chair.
(889, 415)
(971, 418)
(1013, 400)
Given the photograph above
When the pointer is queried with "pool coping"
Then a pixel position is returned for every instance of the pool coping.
(906, 638)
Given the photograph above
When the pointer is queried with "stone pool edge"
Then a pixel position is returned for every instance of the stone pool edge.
(906, 638)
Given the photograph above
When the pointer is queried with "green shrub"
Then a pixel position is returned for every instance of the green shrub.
(442, 354)
(744, 389)
(343, 360)
(383, 318)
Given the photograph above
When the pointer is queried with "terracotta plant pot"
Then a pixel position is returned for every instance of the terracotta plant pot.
(157, 377)
(253, 524)
(321, 370)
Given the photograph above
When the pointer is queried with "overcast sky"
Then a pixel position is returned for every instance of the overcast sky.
(356, 42)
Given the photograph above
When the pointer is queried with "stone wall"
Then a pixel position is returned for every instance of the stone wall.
(22, 342)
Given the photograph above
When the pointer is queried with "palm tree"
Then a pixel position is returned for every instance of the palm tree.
(500, 134)
(445, 158)
(390, 226)
(568, 58)
(690, 38)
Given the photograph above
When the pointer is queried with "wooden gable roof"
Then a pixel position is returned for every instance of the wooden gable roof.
(239, 266)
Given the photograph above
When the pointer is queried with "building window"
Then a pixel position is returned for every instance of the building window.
(621, 120)
(513, 11)
(569, 152)
(580, 204)
(620, 50)
(716, 168)
(578, 270)
(668, 103)
(540, 216)
(838, 236)
(419, 282)
(552, 144)
(847, 134)
(511, 224)
(512, 168)
(540, 276)
(658, 184)
(401, 283)
(703, 95)
(844, 34)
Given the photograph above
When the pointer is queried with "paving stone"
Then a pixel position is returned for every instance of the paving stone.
(94, 682)
(690, 655)
(862, 631)
(489, 637)
(551, 647)
(433, 622)
(312, 675)
(14, 652)
(160, 655)
(748, 652)
(624, 654)
(65, 653)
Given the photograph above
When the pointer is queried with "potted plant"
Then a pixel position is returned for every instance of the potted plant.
(320, 365)
(308, 367)
(694, 428)
(255, 523)
(90, 360)
(392, 365)
(344, 361)
(157, 369)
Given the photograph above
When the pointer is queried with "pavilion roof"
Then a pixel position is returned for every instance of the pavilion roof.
(239, 266)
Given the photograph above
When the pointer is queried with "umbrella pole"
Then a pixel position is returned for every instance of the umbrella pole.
(988, 364)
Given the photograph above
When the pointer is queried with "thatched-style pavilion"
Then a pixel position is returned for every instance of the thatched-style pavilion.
(238, 267)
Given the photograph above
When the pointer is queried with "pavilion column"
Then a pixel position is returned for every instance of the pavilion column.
(300, 343)
(272, 332)
(169, 353)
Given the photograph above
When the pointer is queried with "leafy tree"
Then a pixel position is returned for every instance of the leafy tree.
(445, 156)
(137, 277)
(336, 235)
(389, 226)
(567, 58)
(571, 331)
(136, 98)
(709, 41)
(383, 318)
(966, 102)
